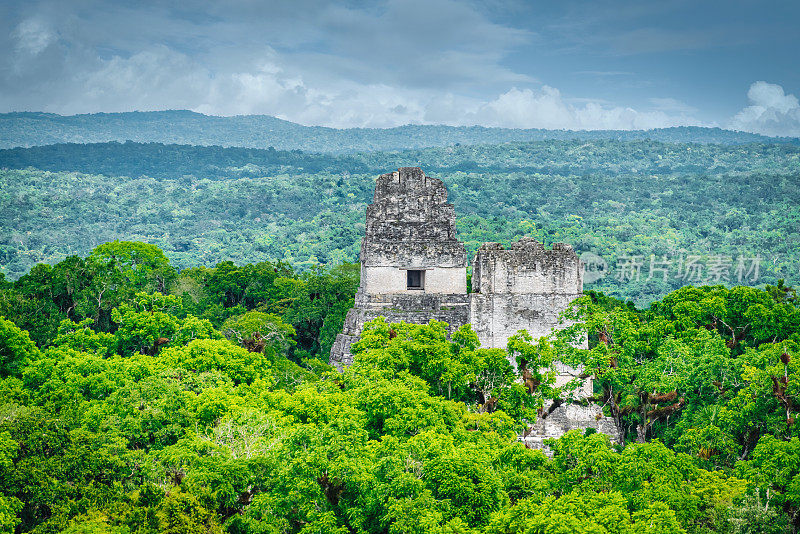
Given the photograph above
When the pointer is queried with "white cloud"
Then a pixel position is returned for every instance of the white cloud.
(388, 64)
(265, 81)
(772, 112)
(32, 37)
(671, 105)
(159, 77)
(316, 63)
(546, 108)
(162, 78)
(270, 86)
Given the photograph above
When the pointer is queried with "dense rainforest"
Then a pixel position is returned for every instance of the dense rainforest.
(167, 310)
(136, 398)
(658, 215)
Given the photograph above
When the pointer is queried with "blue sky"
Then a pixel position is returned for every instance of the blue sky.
(568, 64)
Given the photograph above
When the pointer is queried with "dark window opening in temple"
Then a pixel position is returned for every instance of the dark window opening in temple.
(415, 279)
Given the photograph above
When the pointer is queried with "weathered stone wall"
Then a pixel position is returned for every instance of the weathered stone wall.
(415, 308)
(523, 287)
(409, 225)
(526, 287)
(497, 316)
(567, 417)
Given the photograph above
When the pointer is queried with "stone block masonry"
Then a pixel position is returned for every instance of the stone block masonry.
(524, 287)
(413, 269)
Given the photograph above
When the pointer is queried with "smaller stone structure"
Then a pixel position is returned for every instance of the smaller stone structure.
(525, 286)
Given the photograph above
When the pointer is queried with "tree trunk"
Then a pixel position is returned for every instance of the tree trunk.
(641, 433)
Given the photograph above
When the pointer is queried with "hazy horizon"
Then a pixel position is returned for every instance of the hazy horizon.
(391, 127)
(575, 65)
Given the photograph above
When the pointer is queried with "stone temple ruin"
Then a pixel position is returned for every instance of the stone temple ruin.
(413, 269)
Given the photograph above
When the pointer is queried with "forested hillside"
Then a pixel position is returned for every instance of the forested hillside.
(186, 388)
(136, 398)
(659, 215)
(262, 131)
(172, 284)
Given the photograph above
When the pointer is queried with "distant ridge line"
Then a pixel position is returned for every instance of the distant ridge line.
(30, 128)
